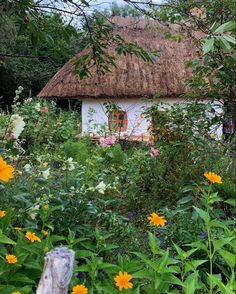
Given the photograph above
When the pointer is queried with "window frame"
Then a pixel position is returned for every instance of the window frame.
(115, 122)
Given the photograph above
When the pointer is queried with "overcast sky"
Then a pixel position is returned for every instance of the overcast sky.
(107, 3)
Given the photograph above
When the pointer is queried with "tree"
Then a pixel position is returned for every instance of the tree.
(212, 25)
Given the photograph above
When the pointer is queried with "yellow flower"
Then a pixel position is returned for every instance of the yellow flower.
(79, 289)
(18, 228)
(32, 237)
(213, 178)
(16, 292)
(123, 280)
(157, 220)
(45, 233)
(2, 213)
(46, 206)
(11, 258)
(6, 170)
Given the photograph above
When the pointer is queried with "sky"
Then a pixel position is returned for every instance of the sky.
(107, 3)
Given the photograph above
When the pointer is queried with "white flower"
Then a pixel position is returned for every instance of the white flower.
(27, 167)
(17, 124)
(46, 173)
(101, 187)
(70, 163)
(33, 211)
(37, 106)
(28, 100)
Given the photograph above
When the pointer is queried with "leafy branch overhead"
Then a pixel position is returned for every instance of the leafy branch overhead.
(95, 34)
(102, 45)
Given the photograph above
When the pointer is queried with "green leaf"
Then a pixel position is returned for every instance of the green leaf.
(154, 243)
(230, 39)
(199, 245)
(231, 201)
(148, 262)
(5, 240)
(218, 244)
(193, 264)
(218, 224)
(224, 289)
(208, 46)
(224, 44)
(229, 257)
(226, 27)
(191, 283)
(178, 249)
(143, 274)
(174, 280)
(21, 278)
(203, 214)
(185, 200)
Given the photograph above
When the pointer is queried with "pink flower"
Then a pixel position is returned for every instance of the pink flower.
(104, 142)
(12, 136)
(111, 140)
(155, 152)
(44, 109)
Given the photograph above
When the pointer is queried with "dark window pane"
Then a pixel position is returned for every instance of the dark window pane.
(121, 116)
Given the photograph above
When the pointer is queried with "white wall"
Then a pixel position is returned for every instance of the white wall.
(93, 121)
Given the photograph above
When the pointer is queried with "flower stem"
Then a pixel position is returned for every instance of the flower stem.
(210, 259)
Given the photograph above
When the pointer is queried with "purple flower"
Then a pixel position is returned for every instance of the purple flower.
(80, 275)
(203, 235)
(132, 215)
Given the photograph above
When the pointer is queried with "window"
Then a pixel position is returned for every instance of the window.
(118, 121)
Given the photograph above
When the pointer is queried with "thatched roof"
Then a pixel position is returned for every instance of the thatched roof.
(133, 77)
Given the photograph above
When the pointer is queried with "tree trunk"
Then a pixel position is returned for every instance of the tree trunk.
(57, 272)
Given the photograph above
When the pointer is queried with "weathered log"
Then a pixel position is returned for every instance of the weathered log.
(57, 272)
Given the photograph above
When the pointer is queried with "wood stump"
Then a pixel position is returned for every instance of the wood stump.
(57, 272)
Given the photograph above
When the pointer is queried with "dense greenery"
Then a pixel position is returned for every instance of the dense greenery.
(162, 211)
(105, 194)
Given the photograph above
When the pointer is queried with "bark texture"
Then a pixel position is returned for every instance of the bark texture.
(58, 269)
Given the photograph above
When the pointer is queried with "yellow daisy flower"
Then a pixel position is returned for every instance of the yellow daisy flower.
(6, 170)
(11, 258)
(44, 232)
(213, 178)
(2, 213)
(32, 237)
(122, 280)
(79, 289)
(157, 220)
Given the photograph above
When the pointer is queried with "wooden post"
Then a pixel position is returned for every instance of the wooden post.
(57, 272)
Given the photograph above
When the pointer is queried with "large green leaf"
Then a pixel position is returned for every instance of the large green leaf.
(231, 201)
(229, 257)
(226, 27)
(4, 239)
(218, 244)
(203, 214)
(21, 278)
(224, 289)
(193, 264)
(208, 46)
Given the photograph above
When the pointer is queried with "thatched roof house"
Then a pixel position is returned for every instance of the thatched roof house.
(131, 80)
(133, 77)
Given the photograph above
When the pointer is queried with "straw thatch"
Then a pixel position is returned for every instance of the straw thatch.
(133, 77)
